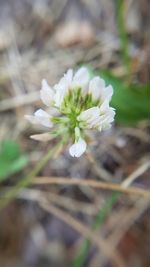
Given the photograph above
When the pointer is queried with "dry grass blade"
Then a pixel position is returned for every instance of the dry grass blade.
(62, 201)
(101, 244)
(72, 204)
(85, 231)
(139, 133)
(17, 101)
(96, 184)
(98, 168)
(130, 179)
(129, 217)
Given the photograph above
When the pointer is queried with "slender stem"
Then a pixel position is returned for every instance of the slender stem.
(100, 218)
(120, 13)
(27, 180)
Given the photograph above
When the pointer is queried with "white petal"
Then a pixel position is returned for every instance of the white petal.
(90, 117)
(40, 117)
(77, 149)
(65, 82)
(44, 137)
(43, 118)
(81, 79)
(32, 119)
(109, 90)
(106, 111)
(107, 93)
(46, 93)
(106, 117)
(68, 76)
(61, 89)
(95, 87)
(104, 107)
(105, 125)
(59, 96)
(89, 113)
(62, 85)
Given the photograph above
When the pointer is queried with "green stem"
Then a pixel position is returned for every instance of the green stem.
(100, 218)
(120, 13)
(27, 180)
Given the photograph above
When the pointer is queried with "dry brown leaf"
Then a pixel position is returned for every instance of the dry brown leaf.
(75, 32)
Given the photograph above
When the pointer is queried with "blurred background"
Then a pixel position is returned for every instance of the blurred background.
(42, 39)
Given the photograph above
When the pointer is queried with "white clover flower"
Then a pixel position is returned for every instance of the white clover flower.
(82, 103)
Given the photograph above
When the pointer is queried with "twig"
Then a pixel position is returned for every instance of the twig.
(62, 201)
(130, 179)
(100, 171)
(18, 101)
(96, 184)
(72, 204)
(131, 216)
(136, 132)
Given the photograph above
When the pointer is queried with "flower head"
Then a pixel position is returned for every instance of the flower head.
(81, 103)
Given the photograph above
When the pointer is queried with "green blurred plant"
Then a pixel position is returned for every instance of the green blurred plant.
(27, 180)
(99, 220)
(124, 42)
(132, 102)
(11, 159)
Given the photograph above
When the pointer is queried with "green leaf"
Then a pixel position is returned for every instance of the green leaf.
(11, 159)
(9, 149)
(132, 103)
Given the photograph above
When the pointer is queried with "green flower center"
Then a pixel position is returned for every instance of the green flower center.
(73, 104)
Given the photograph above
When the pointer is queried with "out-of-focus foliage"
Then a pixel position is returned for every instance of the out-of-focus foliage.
(132, 102)
(11, 159)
